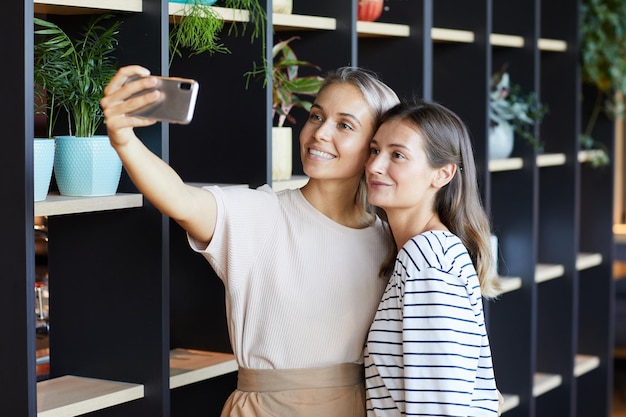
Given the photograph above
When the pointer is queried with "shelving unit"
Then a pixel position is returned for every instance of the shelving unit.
(141, 318)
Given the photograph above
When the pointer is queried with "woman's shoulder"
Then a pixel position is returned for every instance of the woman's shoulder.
(434, 248)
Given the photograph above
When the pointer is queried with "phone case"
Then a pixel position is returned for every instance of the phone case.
(177, 103)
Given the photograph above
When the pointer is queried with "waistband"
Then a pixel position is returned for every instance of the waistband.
(268, 380)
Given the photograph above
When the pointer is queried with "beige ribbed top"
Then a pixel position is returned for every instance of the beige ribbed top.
(301, 290)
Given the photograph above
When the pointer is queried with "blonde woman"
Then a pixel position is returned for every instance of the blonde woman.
(300, 267)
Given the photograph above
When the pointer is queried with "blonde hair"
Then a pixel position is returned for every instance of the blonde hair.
(380, 98)
(458, 204)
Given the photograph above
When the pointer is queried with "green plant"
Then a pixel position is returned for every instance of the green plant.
(287, 86)
(509, 104)
(198, 26)
(73, 72)
(603, 64)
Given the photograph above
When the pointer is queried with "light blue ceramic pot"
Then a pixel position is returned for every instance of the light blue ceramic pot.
(86, 166)
(43, 160)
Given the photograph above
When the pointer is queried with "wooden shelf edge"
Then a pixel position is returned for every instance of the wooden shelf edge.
(545, 382)
(72, 395)
(584, 364)
(546, 272)
(510, 402)
(188, 366)
(551, 159)
(226, 14)
(382, 29)
(508, 284)
(509, 164)
(588, 260)
(451, 35)
(296, 21)
(85, 6)
(56, 204)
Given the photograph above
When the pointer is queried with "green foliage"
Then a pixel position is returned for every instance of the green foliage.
(509, 104)
(603, 56)
(287, 86)
(198, 27)
(74, 72)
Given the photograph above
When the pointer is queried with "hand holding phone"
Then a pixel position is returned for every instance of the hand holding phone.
(177, 101)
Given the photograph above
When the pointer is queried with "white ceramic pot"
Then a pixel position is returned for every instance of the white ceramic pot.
(501, 139)
(282, 6)
(281, 153)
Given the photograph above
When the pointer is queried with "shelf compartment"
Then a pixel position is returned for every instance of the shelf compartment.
(189, 366)
(69, 395)
(296, 21)
(508, 284)
(56, 204)
(508, 164)
(584, 364)
(85, 6)
(551, 159)
(545, 382)
(510, 402)
(588, 260)
(546, 272)
(381, 29)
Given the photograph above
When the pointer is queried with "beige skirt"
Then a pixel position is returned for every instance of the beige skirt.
(334, 391)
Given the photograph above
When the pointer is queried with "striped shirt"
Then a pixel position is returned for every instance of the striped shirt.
(427, 352)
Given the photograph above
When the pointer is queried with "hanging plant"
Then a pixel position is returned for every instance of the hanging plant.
(603, 56)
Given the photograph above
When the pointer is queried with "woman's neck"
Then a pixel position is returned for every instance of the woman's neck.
(336, 200)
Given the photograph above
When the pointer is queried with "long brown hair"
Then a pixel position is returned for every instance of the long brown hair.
(458, 204)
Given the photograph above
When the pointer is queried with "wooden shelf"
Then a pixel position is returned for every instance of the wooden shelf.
(546, 272)
(85, 6)
(588, 260)
(509, 164)
(451, 35)
(68, 396)
(509, 284)
(587, 155)
(380, 29)
(510, 402)
(510, 41)
(545, 382)
(294, 21)
(189, 366)
(56, 204)
(551, 159)
(226, 14)
(584, 364)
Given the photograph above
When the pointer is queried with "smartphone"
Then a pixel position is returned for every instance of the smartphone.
(177, 102)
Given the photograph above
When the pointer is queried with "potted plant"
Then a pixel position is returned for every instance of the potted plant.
(74, 71)
(511, 112)
(197, 26)
(603, 65)
(287, 89)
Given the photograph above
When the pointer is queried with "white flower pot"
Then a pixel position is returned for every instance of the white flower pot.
(281, 153)
(501, 139)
